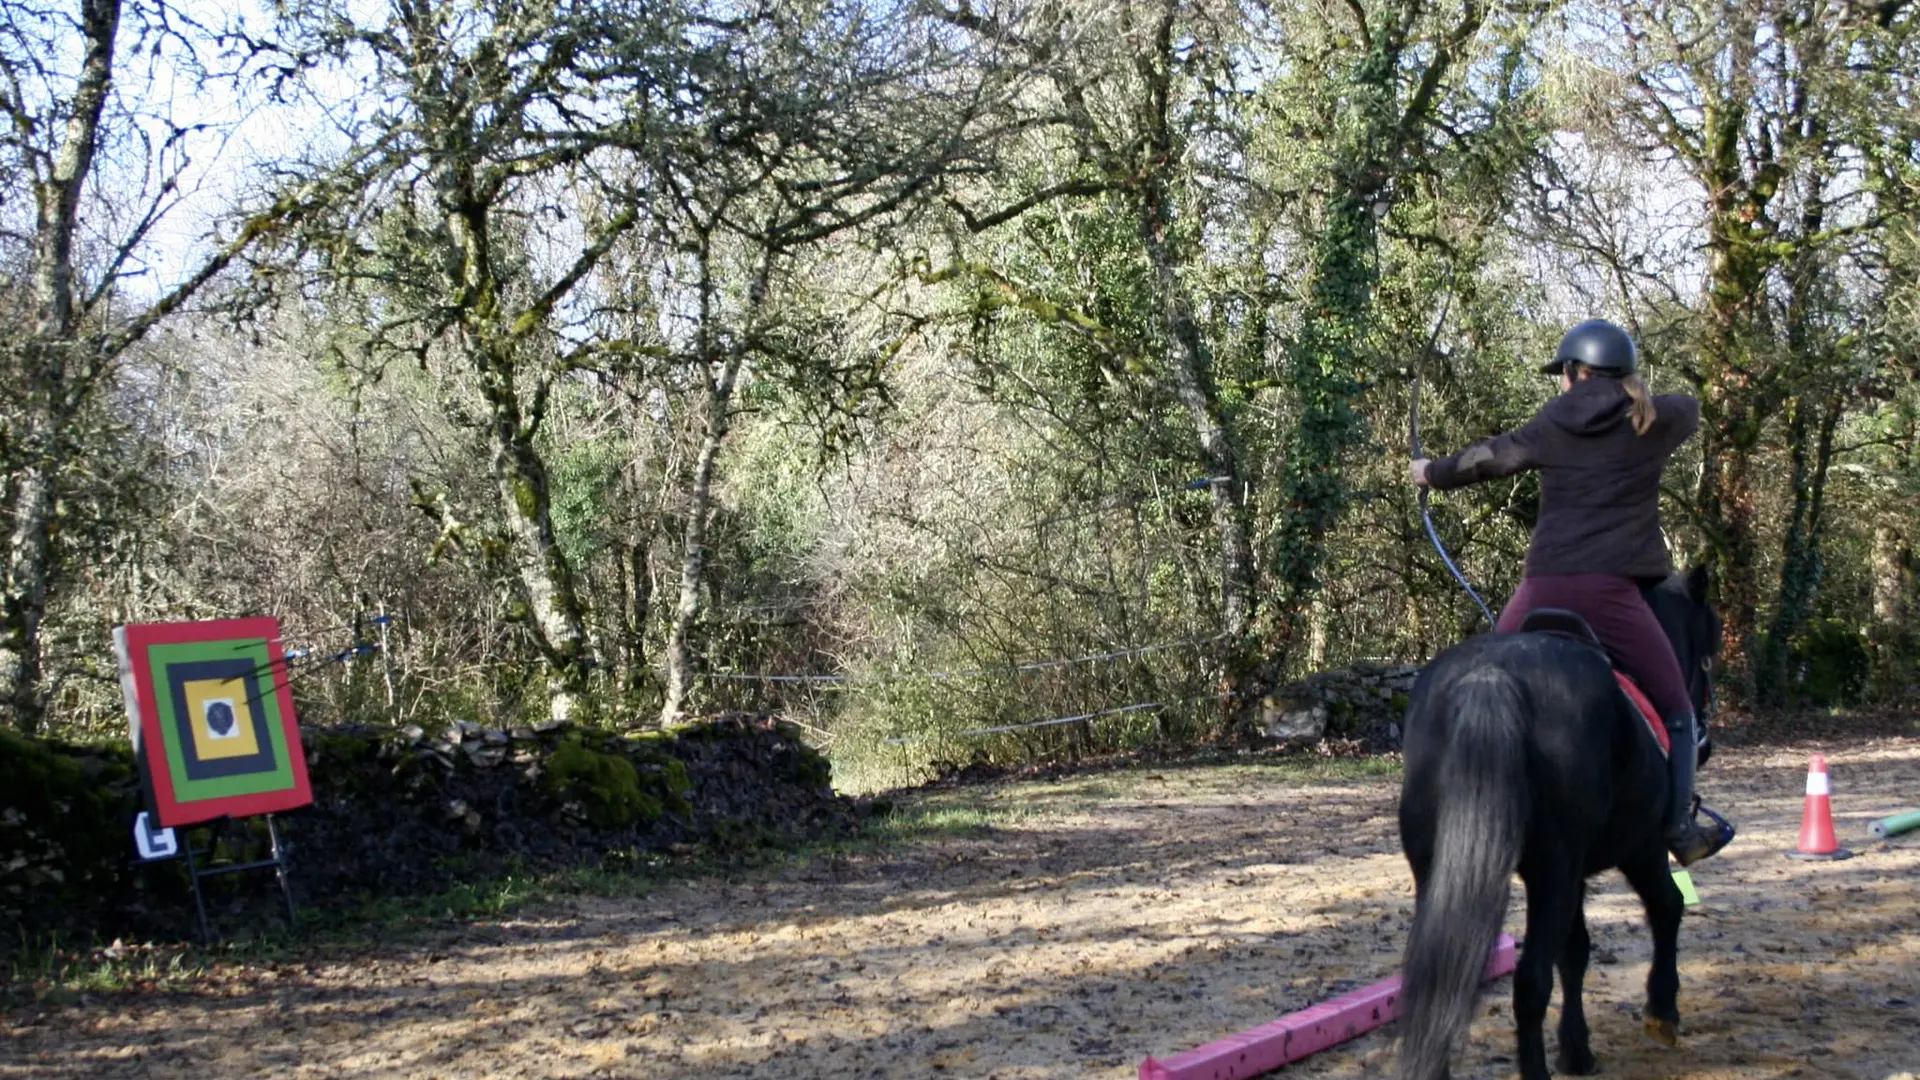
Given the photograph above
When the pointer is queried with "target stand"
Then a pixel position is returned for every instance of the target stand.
(197, 870)
(215, 737)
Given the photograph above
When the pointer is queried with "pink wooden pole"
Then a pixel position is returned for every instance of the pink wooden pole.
(1299, 1034)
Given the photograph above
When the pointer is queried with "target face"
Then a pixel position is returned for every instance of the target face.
(212, 719)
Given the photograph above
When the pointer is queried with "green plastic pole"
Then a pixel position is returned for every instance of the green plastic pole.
(1895, 825)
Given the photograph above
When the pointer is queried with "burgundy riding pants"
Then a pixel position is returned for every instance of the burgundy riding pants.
(1614, 607)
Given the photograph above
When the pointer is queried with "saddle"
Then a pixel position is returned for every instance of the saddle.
(1569, 624)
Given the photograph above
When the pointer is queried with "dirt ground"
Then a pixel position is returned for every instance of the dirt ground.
(1097, 921)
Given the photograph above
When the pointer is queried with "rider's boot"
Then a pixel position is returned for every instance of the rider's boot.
(1686, 838)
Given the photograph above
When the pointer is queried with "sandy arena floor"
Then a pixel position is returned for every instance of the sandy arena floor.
(1111, 917)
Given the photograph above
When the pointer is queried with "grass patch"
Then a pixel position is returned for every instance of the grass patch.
(59, 971)
(970, 809)
(1088, 790)
(936, 819)
(56, 972)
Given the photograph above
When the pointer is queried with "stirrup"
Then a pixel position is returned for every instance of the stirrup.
(1719, 836)
(1720, 824)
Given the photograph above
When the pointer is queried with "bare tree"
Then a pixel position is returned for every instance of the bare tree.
(74, 261)
(860, 112)
(519, 143)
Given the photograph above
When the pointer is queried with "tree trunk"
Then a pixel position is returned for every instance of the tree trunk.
(1327, 360)
(1892, 636)
(1317, 619)
(636, 598)
(26, 599)
(1324, 363)
(1813, 415)
(51, 363)
(1731, 427)
(57, 195)
(1190, 366)
(541, 567)
(1736, 397)
(1727, 507)
(693, 554)
(1774, 660)
(1810, 436)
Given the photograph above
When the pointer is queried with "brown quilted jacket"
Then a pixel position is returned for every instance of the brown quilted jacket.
(1599, 482)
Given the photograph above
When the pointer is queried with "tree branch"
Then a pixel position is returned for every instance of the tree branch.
(287, 209)
(1044, 195)
(535, 316)
(1471, 18)
(1071, 319)
(1360, 23)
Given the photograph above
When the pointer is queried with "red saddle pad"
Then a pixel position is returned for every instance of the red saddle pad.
(1648, 714)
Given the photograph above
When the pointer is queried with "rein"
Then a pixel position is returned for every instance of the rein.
(1433, 534)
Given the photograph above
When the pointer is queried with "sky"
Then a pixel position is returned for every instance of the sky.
(239, 132)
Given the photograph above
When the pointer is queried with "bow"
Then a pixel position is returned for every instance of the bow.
(1433, 534)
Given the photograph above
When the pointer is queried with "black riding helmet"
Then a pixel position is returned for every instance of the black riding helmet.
(1597, 344)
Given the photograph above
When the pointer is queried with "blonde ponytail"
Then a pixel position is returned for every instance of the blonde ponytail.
(1641, 411)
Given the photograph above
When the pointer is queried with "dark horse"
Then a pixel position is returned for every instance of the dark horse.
(1523, 754)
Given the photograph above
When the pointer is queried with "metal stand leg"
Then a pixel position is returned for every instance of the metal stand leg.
(278, 862)
(280, 871)
(193, 874)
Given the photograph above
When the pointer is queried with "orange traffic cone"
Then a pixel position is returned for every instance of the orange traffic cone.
(1816, 821)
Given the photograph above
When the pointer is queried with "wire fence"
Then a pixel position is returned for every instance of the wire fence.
(853, 680)
(1052, 721)
(969, 673)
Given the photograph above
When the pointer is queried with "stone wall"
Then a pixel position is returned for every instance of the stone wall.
(1365, 702)
(66, 833)
(406, 811)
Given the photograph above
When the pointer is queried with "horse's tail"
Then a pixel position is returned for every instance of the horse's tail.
(1480, 784)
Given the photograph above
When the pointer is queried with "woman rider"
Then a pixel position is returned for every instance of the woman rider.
(1600, 447)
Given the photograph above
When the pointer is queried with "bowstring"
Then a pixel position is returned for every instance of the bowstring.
(1433, 534)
